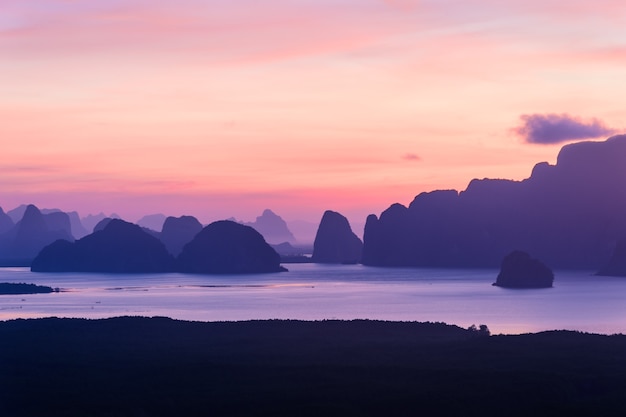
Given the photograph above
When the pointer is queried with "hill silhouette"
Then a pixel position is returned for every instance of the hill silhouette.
(91, 220)
(335, 242)
(6, 223)
(78, 230)
(21, 243)
(519, 270)
(227, 247)
(178, 231)
(570, 215)
(120, 247)
(152, 221)
(273, 228)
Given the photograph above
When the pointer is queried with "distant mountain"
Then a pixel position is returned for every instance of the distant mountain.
(6, 222)
(102, 224)
(304, 231)
(273, 228)
(178, 231)
(91, 220)
(335, 242)
(226, 247)
(570, 215)
(120, 247)
(20, 244)
(78, 230)
(293, 254)
(152, 221)
(17, 213)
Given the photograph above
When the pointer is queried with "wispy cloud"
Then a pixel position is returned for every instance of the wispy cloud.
(556, 128)
(27, 169)
(226, 31)
(411, 157)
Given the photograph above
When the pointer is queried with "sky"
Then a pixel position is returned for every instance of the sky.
(220, 108)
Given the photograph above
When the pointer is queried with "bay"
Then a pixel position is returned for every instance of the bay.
(579, 300)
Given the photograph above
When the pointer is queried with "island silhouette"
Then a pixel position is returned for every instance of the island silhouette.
(21, 242)
(335, 242)
(116, 246)
(570, 215)
(519, 270)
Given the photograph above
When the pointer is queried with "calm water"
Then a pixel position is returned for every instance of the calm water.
(579, 300)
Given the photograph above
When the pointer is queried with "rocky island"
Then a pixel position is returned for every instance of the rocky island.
(519, 270)
(9, 288)
(227, 247)
(335, 242)
(119, 247)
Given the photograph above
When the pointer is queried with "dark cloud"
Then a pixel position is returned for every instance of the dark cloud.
(411, 157)
(556, 128)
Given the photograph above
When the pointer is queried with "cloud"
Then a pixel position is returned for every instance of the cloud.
(556, 128)
(27, 169)
(219, 31)
(411, 157)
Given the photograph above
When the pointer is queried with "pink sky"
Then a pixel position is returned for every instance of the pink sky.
(221, 109)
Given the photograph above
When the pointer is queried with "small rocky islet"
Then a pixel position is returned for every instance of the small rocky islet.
(520, 270)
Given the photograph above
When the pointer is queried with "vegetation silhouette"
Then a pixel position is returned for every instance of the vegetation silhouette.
(134, 366)
(8, 288)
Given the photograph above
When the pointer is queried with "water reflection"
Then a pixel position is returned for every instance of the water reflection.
(578, 301)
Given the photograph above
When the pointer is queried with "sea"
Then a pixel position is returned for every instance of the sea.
(578, 301)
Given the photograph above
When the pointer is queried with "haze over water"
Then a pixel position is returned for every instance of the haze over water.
(578, 301)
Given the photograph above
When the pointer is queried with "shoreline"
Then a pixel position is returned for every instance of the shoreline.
(297, 320)
(160, 366)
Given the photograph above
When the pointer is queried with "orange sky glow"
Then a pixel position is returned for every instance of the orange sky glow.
(221, 109)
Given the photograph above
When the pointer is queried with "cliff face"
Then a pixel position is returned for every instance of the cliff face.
(33, 232)
(119, 247)
(227, 247)
(5, 221)
(178, 231)
(568, 214)
(335, 242)
(273, 228)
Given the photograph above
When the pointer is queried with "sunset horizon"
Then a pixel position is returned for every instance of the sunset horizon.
(223, 110)
(312, 207)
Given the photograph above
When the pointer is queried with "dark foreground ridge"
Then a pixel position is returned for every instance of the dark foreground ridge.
(161, 367)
